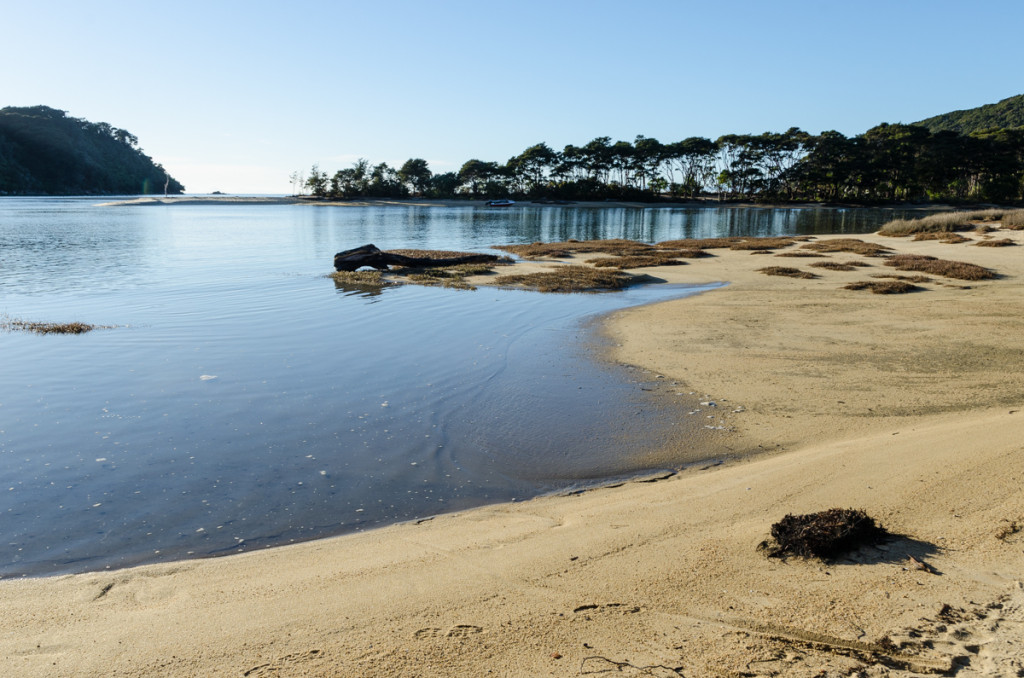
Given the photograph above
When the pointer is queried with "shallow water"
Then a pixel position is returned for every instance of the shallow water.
(245, 401)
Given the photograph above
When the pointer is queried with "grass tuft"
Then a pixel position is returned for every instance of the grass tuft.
(947, 238)
(540, 250)
(362, 278)
(688, 253)
(1013, 221)
(802, 254)
(840, 265)
(569, 279)
(949, 221)
(430, 254)
(852, 245)
(907, 278)
(762, 243)
(732, 243)
(637, 261)
(883, 286)
(440, 278)
(1001, 242)
(950, 269)
(699, 243)
(786, 271)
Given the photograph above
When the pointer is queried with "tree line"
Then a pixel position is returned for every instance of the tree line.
(889, 163)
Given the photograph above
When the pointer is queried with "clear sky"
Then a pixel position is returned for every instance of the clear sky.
(235, 95)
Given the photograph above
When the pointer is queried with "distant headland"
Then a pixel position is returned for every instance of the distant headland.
(43, 151)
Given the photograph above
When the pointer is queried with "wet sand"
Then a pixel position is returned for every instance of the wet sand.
(906, 406)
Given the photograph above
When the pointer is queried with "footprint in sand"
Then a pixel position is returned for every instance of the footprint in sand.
(464, 631)
(279, 666)
(982, 640)
(999, 651)
(459, 631)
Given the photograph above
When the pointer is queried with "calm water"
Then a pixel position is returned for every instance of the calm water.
(245, 401)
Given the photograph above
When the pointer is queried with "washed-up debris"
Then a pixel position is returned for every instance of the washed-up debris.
(825, 535)
(916, 564)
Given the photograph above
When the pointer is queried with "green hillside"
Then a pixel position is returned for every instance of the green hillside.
(43, 151)
(1005, 114)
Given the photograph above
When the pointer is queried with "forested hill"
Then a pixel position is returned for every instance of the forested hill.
(43, 151)
(1006, 114)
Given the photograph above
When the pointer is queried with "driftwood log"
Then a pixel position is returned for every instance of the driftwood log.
(369, 255)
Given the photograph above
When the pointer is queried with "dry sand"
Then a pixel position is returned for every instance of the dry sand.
(906, 406)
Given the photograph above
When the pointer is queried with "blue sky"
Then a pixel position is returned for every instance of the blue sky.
(234, 96)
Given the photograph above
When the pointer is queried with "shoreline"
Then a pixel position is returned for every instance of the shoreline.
(908, 406)
(708, 203)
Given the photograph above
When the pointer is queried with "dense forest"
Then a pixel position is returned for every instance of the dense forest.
(888, 163)
(1007, 113)
(43, 151)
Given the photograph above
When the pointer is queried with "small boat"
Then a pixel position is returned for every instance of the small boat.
(500, 203)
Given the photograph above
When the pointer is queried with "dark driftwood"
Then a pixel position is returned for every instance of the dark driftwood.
(369, 255)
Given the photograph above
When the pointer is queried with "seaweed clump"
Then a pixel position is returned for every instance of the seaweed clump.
(824, 535)
(18, 325)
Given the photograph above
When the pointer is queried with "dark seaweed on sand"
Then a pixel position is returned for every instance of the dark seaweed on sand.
(825, 535)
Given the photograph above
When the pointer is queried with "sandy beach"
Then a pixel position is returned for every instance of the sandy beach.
(908, 406)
